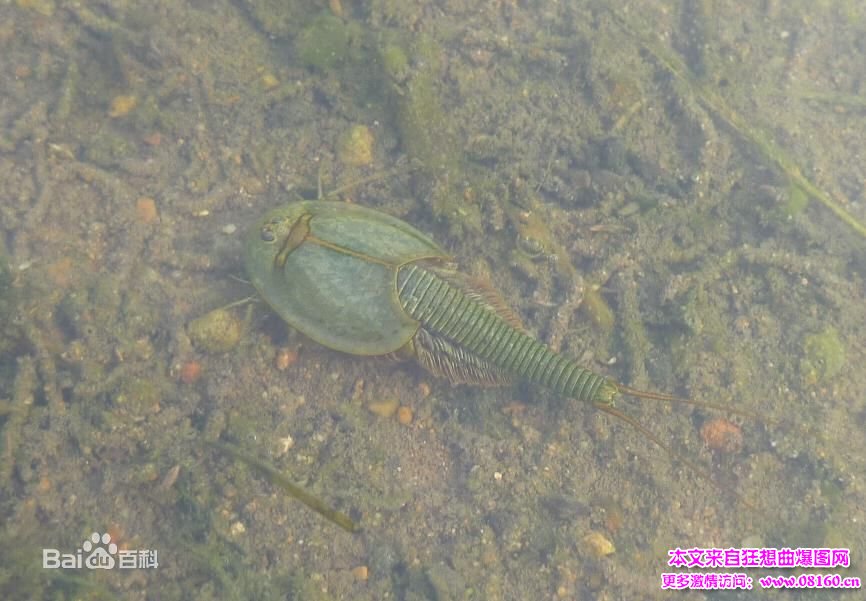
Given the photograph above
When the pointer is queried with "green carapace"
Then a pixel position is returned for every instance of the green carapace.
(329, 269)
(359, 281)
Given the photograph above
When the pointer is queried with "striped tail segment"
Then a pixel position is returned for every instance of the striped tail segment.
(445, 310)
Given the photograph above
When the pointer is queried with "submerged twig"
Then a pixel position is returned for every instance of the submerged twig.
(278, 479)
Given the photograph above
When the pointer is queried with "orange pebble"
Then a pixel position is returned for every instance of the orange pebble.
(722, 435)
(404, 415)
(285, 358)
(145, 210)
(190, 372)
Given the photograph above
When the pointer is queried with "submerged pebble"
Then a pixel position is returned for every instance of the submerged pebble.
(215, 332)
(404, 415)
(285, 358)
(598, 545)
(145, 210)
(190, 372)
(385, 408)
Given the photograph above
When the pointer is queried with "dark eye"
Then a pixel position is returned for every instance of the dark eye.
(267, 234)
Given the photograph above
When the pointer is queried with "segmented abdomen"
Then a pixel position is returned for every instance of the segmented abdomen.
(445, 310)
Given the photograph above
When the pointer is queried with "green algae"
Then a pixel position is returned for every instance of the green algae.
(796, 201)
(424, 128)
(704, 318)
(824, 356)
(426, 132)
(598, 310)
(395, 61)
(324, 43)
